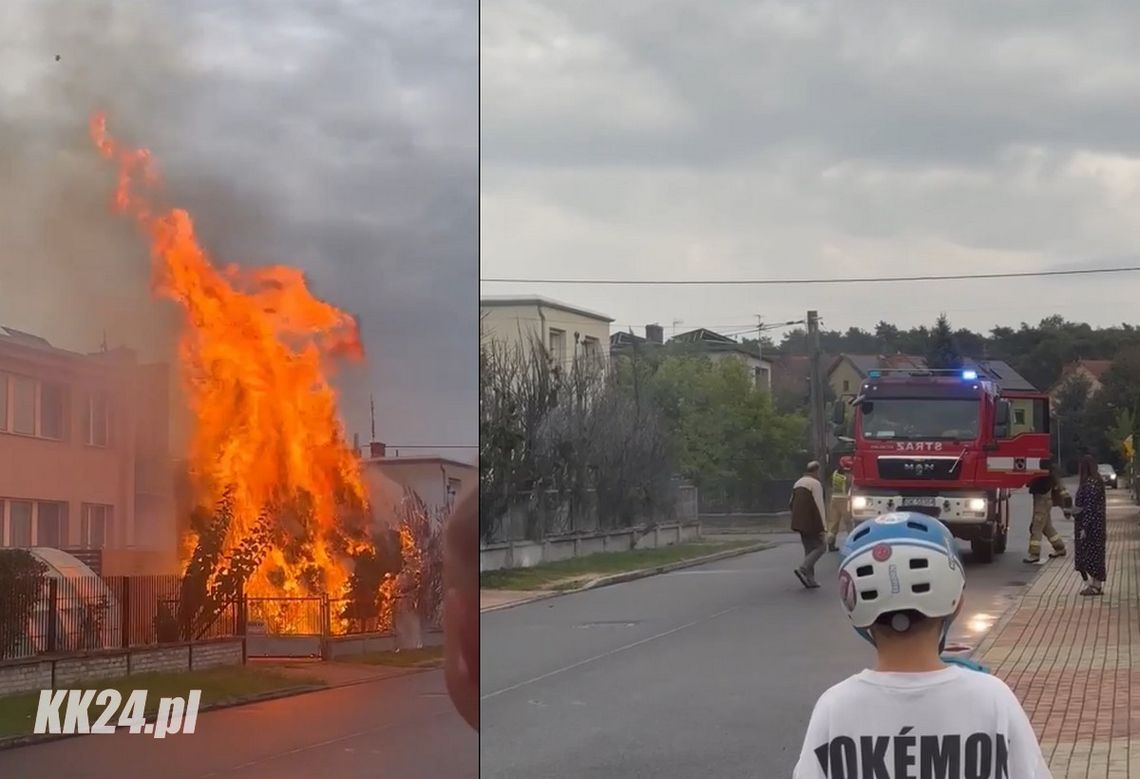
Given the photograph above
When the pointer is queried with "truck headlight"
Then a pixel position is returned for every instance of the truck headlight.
(859, 503)
(976, 504)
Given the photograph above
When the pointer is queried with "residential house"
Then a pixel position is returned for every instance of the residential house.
(567, 332)
(1092, 371)
(720, 347)
(791, 375)
(848, 371)
(624, 341)
(437, 480)
(85, 461)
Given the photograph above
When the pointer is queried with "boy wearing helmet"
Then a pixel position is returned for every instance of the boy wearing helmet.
(901, 583)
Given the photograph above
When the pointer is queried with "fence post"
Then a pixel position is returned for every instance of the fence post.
(53, 596)
(125, 610)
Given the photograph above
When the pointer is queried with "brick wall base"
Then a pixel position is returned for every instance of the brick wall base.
(42, 673)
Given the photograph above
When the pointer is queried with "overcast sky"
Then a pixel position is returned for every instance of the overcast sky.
(340, 137)
(672, 139)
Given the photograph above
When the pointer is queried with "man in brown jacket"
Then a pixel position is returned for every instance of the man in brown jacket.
(809, 520)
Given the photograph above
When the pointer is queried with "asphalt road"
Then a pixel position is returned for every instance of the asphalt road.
(397, 728)
(708, 671)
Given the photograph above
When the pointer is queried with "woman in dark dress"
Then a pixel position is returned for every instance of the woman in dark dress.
(1089, 517)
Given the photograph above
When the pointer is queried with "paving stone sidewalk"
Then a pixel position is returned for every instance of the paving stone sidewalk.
(1074, 662)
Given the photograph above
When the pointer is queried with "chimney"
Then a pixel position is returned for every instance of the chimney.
(655, 334)
(377, 449)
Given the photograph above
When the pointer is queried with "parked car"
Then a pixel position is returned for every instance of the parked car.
(1108, 473)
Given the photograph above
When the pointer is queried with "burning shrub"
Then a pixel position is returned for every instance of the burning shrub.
(21, 576)
(420, 580)
(365, 608)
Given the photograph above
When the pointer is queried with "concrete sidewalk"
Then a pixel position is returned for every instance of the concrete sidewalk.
(1074, 661)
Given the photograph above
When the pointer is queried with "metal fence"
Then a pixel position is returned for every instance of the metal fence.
(51, 614)
(535, 516)
(289, 616)
(767, 497)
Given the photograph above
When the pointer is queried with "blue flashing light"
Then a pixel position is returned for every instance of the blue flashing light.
(873, 374)
(970, 375)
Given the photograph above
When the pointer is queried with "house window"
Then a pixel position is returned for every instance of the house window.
(30, 407)
(23, 405)
(590, 348)
(98, 420)
(52, 411)
(558, 346)
(95, 527)
(18, 532)
(51, 524)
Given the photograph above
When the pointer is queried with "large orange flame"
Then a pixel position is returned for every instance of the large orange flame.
(253, 356)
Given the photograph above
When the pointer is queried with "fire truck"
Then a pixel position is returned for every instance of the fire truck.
(949, 444)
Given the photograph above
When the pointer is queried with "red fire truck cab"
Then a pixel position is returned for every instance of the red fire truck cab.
(949, 444)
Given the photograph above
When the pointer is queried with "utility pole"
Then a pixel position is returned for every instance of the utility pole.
(818, 423)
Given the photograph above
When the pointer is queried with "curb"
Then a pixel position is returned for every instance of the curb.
(641, 573)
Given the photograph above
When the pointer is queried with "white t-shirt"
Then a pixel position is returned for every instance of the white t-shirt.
(947, 724)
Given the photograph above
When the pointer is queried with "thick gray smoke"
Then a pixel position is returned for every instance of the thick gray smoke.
(70, 269)
(339, 137)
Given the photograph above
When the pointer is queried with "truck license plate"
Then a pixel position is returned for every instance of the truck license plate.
(921, 500)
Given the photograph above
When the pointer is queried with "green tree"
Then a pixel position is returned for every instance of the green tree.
(943, 351)
(21, 579)
(1071, 420)
(726, 435)
(1121, 430)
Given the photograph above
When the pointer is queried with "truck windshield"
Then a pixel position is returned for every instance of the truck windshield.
(927, 419)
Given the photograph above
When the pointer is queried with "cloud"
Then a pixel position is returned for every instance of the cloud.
(338, 137)
(819, 139)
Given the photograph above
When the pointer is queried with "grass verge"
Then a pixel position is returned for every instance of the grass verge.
(428, 657)
(570, 574)
(218, 685)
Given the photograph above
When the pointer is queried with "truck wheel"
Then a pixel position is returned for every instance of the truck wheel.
(983, 549)
(999, 542)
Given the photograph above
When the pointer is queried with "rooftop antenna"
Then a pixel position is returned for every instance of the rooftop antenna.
(675, 323)
(372, 414)
(104, 344)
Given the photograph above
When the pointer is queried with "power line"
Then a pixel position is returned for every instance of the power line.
(791, 282)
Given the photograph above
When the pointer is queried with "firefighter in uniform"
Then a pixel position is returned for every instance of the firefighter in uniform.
(840, 513)
(1047, 492)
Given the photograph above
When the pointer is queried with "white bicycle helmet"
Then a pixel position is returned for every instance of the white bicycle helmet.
(898, 563)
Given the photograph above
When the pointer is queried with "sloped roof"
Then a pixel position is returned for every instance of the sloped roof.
(1095, 368)
(997, 370)
(702, 335)
(865, 363)
(1004, 374)
(715, 342)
